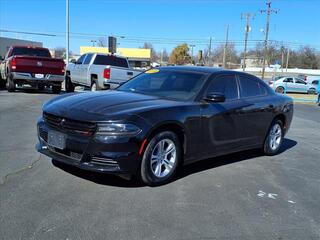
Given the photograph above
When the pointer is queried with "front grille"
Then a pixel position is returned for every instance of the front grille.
(104, 161)
(86, 128)
(67, 153)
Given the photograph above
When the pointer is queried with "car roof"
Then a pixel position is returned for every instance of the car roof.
(196, 69)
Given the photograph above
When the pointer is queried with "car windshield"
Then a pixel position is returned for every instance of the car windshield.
(166, 84)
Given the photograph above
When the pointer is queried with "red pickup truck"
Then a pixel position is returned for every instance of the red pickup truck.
(33, 66)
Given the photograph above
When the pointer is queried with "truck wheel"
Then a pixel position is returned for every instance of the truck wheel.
(11, 86)
(69, 86)
(56, 89)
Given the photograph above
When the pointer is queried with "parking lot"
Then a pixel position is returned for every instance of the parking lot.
(239, 196)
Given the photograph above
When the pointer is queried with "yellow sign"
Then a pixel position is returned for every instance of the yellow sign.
(125, 52)
(152, 71)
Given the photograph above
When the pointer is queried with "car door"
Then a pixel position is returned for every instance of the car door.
(83, 69)
(288, 84)
(256, 115)
(220, 124)
(75, 73)
(300, 86)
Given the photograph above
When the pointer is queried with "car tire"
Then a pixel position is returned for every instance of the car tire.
(69, 86)
(161, 159)
(11, 86)
(312, 91)
(280, 90)
(274, 138)
(56, 89)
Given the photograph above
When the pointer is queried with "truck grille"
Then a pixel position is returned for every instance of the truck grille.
(74, 126)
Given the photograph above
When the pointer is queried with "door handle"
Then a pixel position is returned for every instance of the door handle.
(130, 73)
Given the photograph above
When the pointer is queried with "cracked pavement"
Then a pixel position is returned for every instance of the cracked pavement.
(239, 196)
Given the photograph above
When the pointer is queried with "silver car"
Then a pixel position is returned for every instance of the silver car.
(293, 85)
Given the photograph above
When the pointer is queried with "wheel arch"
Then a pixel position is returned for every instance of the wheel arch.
(173, 126)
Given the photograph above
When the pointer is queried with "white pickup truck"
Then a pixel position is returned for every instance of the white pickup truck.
(98, 71)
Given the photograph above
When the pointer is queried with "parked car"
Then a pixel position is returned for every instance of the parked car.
(98, 71)
(293, 85)
(33, 66)
(162, 119)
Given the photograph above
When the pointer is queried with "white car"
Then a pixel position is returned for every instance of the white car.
(98, 71)
(293, 85)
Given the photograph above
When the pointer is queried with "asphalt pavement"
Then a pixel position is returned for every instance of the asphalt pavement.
(239, 196)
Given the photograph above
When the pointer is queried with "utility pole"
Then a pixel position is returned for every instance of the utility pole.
(268, 11)
(288, 55)
(67, 31)
(247, 16)
(225, 47)
(282, 57)
(209, 54)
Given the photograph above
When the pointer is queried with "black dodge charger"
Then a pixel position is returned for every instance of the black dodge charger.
(162, 119)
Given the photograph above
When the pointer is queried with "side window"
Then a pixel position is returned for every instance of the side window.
(226, 84)
(111, 60)
(299, 81)
(288, 80)
(80, 60)
(249, 87)
(88, 59)
(263, 89)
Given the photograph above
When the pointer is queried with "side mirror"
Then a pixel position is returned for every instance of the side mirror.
(73, 61)
(215, 97)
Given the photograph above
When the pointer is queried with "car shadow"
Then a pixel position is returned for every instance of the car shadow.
(113, 180)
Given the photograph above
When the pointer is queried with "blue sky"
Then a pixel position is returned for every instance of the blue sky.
(165, 23)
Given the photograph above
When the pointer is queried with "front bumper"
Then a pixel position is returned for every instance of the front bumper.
(30, 78)
(116, 155)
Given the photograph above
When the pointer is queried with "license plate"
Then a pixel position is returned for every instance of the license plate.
(56, 139)
(38, 75)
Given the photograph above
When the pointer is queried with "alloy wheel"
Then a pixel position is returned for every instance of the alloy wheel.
(275, 137)
(163, 158)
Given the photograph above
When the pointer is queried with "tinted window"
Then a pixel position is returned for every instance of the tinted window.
(249, 86)
(289, 80)
(80, 60)
(226, 84)
(88, 58)
(263, 89)
(299, 81)
(166, 84)
(110, 60)
(31, 52)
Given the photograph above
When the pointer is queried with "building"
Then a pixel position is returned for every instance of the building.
(137, 57)
(6, 43)
(252, 61)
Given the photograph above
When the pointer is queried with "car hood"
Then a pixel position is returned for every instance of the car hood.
(104, 105)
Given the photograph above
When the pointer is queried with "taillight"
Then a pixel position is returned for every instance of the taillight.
(106, 73)
(14, 63)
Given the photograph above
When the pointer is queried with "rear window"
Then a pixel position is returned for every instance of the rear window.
(35, 52)
(111, 60)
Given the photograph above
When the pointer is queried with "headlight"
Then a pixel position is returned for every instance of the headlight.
(117, 129)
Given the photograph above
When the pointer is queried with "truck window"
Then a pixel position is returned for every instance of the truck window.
(88, 58)
(36, 52)
(80, 59)
(111, 60)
